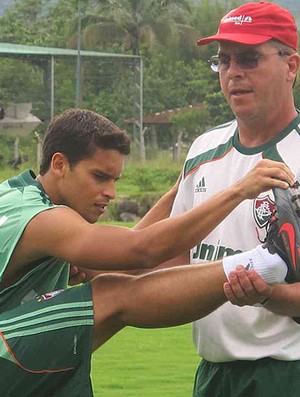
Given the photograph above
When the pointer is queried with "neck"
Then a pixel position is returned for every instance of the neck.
(253, 132)
(47, 183)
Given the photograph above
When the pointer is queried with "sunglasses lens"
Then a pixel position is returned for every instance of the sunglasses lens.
(218, 62)
(214, 66)
(247, 60)
(244, 60)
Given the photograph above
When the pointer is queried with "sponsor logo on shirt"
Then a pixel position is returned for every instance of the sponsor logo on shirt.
(210, 252)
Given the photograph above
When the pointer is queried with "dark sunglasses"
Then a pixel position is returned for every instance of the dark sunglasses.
(246, 60)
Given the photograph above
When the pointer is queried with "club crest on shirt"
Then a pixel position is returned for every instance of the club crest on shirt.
(49, 295)
(263, 207)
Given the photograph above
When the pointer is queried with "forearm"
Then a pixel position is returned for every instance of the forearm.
(173, 236)
(285, 300)
(149, 247)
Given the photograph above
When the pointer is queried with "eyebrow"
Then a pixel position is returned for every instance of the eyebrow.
(105, 174)
(246, 51)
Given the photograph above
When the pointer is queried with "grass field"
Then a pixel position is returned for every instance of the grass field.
(146, 363)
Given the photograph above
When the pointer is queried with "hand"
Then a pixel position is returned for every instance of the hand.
(246, 287)
(76, 276)
(265, 175)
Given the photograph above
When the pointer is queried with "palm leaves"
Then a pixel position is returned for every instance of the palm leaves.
(138, 26)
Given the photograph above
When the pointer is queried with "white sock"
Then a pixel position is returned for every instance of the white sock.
(269, 266)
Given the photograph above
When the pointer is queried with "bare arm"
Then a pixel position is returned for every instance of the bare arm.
(161, 210)
(285, 300)
(62, 233)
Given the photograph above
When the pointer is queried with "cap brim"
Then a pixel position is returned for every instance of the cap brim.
(249, 39)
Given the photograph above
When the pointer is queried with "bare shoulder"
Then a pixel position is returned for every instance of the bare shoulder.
(45, 230)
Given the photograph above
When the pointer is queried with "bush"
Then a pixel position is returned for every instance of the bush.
(147, 179)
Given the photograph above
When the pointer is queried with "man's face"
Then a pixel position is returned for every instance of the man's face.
(254, 93)
(89, 186)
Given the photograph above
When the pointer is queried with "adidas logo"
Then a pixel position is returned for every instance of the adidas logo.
(201, 187)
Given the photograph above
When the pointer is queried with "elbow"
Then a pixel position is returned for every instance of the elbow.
(150, 256)
(148, 250)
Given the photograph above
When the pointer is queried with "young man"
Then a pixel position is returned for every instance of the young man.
(48, 332)
(249, 351)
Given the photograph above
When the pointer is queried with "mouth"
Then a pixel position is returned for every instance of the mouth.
(239, 92)
(101, 207)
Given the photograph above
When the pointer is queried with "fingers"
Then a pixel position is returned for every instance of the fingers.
(265, 175)
(276, 170)
(246, 287)
(76, 276)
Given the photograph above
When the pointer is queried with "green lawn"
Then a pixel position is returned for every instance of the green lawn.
(146, 363)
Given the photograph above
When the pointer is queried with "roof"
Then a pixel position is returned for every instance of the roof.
(19, 50)
(164, 117)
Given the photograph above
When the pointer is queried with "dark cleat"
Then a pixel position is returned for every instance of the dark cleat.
(283, 236)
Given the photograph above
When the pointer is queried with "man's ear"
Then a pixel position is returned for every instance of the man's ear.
(293, 64)
(59, 163)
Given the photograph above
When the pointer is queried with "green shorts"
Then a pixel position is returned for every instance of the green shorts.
(46, 346)
(261, 378)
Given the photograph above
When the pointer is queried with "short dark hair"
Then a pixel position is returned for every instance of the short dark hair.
(77, 133)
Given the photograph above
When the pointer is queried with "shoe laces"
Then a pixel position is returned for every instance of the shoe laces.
(273, 239)
(272, 227)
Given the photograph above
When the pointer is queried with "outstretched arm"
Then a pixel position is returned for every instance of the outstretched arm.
(61, 232)
(160, 210)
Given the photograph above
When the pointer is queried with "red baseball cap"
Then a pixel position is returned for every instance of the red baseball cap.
(256, 23)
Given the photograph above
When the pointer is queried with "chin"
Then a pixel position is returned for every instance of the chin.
(90, 218)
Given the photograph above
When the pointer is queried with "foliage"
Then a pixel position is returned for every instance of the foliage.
(19, 79)
(138, 26)
(219, 109)
(206, 17)
(176, 73)
(27, 152)
(108, 88)
(192, 122)
(148, 179)
(170, 84)
(151, 177)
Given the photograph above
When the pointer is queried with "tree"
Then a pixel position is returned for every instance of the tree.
(190, 124)
(138, 26)
(161, 31)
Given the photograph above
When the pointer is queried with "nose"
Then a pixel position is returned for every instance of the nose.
(110, 189)
(234, 69)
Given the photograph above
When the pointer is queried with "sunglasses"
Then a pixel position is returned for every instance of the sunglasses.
(245, 60)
